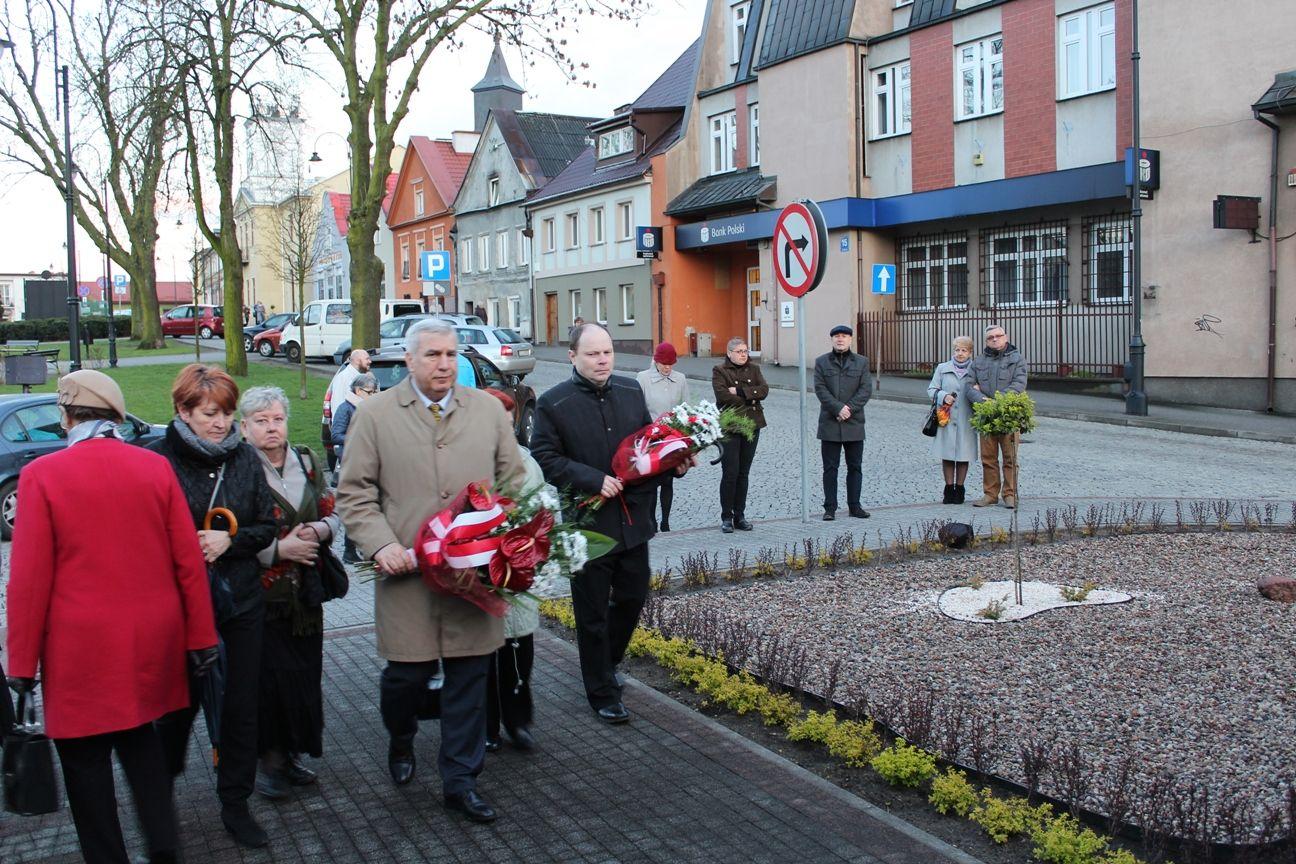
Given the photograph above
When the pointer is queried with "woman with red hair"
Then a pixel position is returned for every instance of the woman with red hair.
(217, 469)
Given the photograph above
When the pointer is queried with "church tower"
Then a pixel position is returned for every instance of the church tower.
(496, 91)
(273, 154)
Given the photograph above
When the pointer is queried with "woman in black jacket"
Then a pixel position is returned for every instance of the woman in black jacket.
(217, 469)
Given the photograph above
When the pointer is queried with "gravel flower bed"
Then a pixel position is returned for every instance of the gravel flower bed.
(1190, 685)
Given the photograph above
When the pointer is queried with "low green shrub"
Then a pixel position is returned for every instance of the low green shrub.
(56, 329)
(813, 727)
(904, 765)
(1063, 840)
(952, 793)
(1002, 818)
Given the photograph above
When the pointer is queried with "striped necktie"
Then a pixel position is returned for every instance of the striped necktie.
(436, 411)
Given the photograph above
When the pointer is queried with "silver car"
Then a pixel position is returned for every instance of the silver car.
(508, 351)
(392, 331)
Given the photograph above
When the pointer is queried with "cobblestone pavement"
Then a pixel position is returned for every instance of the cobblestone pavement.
(672, 786)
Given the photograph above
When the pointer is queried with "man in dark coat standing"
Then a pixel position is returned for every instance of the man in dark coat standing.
(842, 384)
(579, 425)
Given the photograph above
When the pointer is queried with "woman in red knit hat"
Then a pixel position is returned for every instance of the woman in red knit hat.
(664, 388)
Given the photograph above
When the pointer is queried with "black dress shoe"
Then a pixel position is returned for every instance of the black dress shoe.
(492, 744)
(401, 765)
(471, 805)
(742, 524)
(240, 823)
(829, 515)
(727, 526)
(521, 738)
(859, 513)
(272, 785)
(297, 773)
(613, 714)
(665, 525)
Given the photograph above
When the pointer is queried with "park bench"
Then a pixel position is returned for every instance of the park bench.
(31, 347)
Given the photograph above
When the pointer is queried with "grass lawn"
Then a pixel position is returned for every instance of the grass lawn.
(125, 348)
(148, 394)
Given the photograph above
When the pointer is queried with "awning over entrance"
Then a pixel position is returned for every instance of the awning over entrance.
(1092, 183)
(724, 192)
(1280, 98)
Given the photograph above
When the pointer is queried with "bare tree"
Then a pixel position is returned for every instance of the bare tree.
(127, 86)
(296, 234)
(226, 48)
(397, 38)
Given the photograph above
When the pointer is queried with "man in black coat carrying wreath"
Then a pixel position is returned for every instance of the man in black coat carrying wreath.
(579, 425)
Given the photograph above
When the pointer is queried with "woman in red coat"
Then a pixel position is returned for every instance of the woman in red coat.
(107, 600)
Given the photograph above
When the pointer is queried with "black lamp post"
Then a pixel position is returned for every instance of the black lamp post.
(1136, 401)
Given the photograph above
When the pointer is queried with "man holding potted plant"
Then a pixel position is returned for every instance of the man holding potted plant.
(1000, 369)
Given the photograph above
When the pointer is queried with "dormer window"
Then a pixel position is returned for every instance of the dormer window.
(737, 29)
(616, 142)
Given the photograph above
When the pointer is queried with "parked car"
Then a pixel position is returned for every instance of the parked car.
(209, 321)
(328, 322)
(267, 342)
(392, 332)
(30, 427)
(274, 322)
(502, 345)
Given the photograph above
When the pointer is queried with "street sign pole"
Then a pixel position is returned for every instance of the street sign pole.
(805, 455)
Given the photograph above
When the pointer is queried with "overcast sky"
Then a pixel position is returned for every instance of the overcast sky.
(624, 58)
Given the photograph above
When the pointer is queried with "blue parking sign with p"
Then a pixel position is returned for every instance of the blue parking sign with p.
(436, 265)
(884, 279)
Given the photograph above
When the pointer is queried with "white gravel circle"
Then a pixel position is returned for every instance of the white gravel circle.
(965, 603)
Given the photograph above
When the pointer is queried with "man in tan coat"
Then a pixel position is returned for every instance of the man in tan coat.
(410, 450)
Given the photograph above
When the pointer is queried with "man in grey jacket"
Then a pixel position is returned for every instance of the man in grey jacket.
(842, 384)
(1000, 369)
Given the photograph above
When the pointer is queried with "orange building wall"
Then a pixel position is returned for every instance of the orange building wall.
(406, 228)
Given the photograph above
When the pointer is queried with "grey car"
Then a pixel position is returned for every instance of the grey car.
(392, 331)
(502, 346)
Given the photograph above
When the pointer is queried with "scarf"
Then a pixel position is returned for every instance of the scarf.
(217, 452)
(960, 369)
(93, 429)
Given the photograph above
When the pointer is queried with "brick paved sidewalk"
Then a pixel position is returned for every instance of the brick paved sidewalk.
(672, 786)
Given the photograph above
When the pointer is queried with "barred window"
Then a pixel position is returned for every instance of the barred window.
(1108, 242)
(1024, 265)
(933, 271)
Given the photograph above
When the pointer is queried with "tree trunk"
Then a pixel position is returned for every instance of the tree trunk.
(366, 289)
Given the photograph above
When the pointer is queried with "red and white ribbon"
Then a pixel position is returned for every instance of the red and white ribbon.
(461, 543)
(649, 453)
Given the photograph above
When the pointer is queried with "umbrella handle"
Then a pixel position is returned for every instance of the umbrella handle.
(222, 513)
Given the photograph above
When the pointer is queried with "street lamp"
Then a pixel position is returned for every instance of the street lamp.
(1136, 401)
(315, 157)
(73, 301)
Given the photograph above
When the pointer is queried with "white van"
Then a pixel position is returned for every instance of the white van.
(328, 322)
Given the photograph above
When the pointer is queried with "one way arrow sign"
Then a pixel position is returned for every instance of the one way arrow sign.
(884, 279)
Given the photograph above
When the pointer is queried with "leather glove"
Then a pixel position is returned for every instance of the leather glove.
(202, 660)
(22, 685)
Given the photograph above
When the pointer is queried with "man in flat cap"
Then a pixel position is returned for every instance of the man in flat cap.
(841, 381)
(109, 612)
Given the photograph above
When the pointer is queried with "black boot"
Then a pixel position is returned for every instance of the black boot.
(960, 493)
(949, 493)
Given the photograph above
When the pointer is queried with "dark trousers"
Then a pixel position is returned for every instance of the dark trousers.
(508, 686)
(831, 452)
(236, 768)
(607, 597)
(88, 776)
(463, 714)
(735, 464)
(667, 489)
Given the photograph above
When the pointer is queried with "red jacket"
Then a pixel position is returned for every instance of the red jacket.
(107, 588)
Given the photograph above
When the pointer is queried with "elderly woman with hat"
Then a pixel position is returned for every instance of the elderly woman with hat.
(664, 388)
(110, 604)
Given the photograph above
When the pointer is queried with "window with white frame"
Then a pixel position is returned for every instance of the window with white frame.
(737, 29)
(483, 252)
(753, 133)
(523, 247)
(600, 305)
(571, 226)
(979, 82)
(465, 255)
(547, 234)
(420, 245)
(627, 304)
(724, 142)
(1108, 241)
(933, 271)
(493, 192)
(576, 305)
(405, 264)
(1087, 51)
(1024, 265)
(616, 142)
(625, 220)
(598, 228)
(891, 105)
(493, 311)
(418, 200)
(501, 249)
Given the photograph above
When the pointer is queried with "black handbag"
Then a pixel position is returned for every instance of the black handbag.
(932, 424)
(30, 788)
(333, 575)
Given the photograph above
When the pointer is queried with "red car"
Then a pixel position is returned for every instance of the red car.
(266, 343)
(207, 321)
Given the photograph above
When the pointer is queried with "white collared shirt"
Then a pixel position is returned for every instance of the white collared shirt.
(443, 402)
